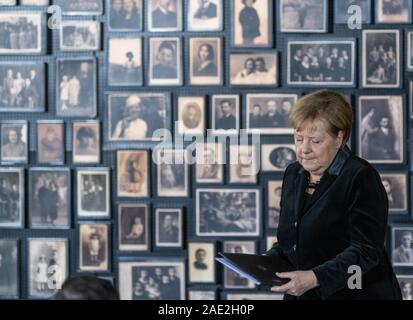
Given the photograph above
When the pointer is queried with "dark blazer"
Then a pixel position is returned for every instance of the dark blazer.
(344, 225)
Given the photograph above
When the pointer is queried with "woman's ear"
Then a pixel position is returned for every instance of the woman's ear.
(340, 139)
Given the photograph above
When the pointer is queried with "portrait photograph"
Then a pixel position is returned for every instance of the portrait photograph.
(50, 194)
(165, 62)
(201, 262)
(94, 247)
(406, 284)
(76, 87)
(133, 224)
(201, 295)
(274, 188)
(9, 269)
(12, 197)
(168, 228)
(138, 116)
(14, 141)
(34, 2)
(228, 212)
(233, 280)
(22, 32)
(225, 117)
(277, 157)
(381, 58)
(381, 129)
(252, 23)
(205, 55)
(79, 36)
(393, 11)
(191, 115)
(148, 280)
(341, 15)
(251, 69)
(133, 173)
(22, 86)
(125, 61)
(210, 160)
(48, 266)
(80, 7)
(330, 63)
(409, 45)
(124, 15)
(395, 185)
(50, 142)
(172, 173)
(164, 15)
(243, 166)
(86, 142)
(300, 16)
(269, 113)
(401, 246)
(205, 15)
(93, 192)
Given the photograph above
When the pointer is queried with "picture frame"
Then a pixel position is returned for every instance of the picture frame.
(274, 188)
(270, 241)
(191, 115)
(50, 142)
(79, 35)
(121, 19)
(14, 141)
(134, 232)
(208, 221)
(409, 47)
(396, 186)
(167, 19)
(94, 247)
(12, 182)
(205, 17)
(405, 283)
(34, 2)
(277, 157)
(86, 142)
(11, 264)
(169, 228)
(411, 99)
(201, 262)
(8, 2)
(252, 296)
(243, 168)
(393, 13)
(95, 201)
(401, 236)
(341, 15)
(202, 295)
(225, 117)
(80, 7)
(49, 198)
(210, 160)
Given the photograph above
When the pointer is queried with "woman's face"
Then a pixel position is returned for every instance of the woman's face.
(315, 146)
(204, 53)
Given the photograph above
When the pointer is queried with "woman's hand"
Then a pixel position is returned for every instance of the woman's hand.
(300, 283)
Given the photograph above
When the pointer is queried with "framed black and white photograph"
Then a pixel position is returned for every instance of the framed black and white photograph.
(274, 188)
(12, 197)
(269, 113)
(125, 15)
(393, 11)
(233, 280)
(277, 157)
(9, 269)
(48, 266)
(133, 227)
(93, 190)
(8, 2)
(210, 160)
(164, 15)
(205, 61)
(381, 138)
(49, 196)
(243, 166)
(138, 116)
(14, 141)
(94, 247)
(327, 62)
(150, 280)
(303, 16)
(254, 68)
(396, 187)
(50, 142)
(79, 35)
(34, 2)
(22, 86)
(165, 62)
(381, 58)
(252, 23)
(191, 116)
(406, 286)
(228, 212)
(80, 7)
(225, 116)
(201, 262)
(341, 8)
(409, 46)
(205, 15)
(125, 61)
(202, 295)
(168, 228)
(133, 173)
(76, 87)
(172, 173)
(22, 32)
(401, 246)
(86, 142)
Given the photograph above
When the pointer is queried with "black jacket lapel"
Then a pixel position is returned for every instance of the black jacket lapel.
(300, 186)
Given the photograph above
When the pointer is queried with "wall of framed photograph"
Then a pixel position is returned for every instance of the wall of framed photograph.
(85, 106)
